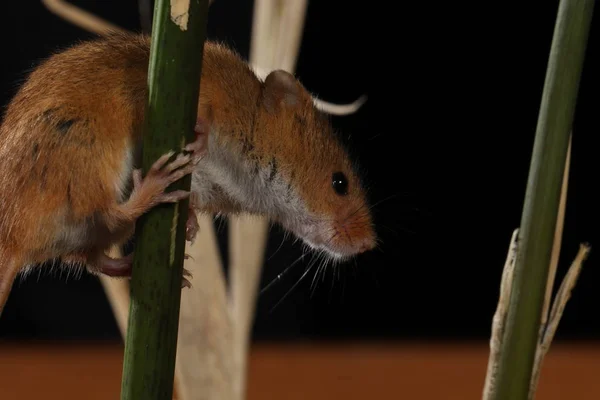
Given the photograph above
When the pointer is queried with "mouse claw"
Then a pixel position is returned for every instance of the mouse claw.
(161, 162)
(185, 283)
(180, 161)
(191, 226)
(195, 147)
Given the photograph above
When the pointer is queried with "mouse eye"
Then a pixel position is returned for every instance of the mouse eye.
(339, 183)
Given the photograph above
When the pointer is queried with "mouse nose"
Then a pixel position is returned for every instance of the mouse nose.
(366, 244)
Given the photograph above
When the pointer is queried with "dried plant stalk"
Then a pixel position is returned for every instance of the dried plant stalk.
(519, 342)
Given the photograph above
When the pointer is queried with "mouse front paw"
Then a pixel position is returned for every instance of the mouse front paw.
(151, 188)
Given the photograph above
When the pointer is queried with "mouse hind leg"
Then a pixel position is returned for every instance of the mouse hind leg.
(122, 267)
(116, 223)
(96, 261)
(148, 192)
(99, 263)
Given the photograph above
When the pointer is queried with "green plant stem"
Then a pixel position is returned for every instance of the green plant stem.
(542, 199)
(173, 90)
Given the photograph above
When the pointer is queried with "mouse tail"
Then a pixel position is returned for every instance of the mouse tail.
(9, 269)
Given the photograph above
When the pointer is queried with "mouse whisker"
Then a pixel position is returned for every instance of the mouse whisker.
(312, 284)
(400, 227)
(357, 210)
(279, 248)
(383, 200)
(280, 276)
(308, 269)
(320, 270)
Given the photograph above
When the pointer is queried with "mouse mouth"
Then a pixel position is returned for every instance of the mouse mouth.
(332, 240)
(334, 253)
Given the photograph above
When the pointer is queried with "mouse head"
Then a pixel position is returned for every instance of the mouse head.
(272, 152)
(317, 192)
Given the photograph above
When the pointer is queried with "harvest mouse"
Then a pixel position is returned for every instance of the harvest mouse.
(69, 152)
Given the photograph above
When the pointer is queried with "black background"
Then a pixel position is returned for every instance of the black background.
(445, 141)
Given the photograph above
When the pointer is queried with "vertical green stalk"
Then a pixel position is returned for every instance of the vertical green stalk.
(174, 82)
(540, 209)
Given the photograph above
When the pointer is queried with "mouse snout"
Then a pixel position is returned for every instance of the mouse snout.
(354, 229)
(362, 242)
(366, 244)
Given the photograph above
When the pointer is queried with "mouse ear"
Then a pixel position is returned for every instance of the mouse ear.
(280, 90)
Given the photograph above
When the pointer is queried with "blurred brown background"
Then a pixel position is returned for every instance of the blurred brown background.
(358, 371)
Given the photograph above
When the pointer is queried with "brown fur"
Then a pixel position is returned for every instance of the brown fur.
(295, 134)
(66, 133)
